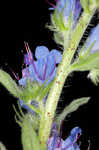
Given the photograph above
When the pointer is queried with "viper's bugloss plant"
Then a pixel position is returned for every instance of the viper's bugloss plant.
(40, 87)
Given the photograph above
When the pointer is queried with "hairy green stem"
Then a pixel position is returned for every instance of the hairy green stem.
(62, 73)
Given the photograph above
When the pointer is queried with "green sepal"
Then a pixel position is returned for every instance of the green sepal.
(44, 91)
(34, 91)
(30, 140)
(57, 20)
(30, 91)
(10, 84)
(94, 3)
(19, 117)
(85, 5)
(97, 2)
(61, 28)
(34, 108)
(73, 106)
(94, 76)
(58, 38)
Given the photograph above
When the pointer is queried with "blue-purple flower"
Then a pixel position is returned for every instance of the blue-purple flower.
(44, 68)
(57, 143)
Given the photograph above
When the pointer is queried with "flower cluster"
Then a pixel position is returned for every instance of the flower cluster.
(66, 14)
(71, 10)
(64, 19)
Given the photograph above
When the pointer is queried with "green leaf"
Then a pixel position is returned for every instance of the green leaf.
(94, 76)
(2, 147)
(84, 53)
(30, 140)
(10, 84)
(73, 106)
(86, 64)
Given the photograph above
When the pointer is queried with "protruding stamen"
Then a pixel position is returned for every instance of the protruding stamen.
(53, 5)
(28, 51)
(31, 58)
(15, 75)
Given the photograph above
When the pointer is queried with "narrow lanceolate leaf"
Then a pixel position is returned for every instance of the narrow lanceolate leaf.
(9, 83)
(2, 147)
(94, 76)
(30, 140)
(73, 106)
(87, 64)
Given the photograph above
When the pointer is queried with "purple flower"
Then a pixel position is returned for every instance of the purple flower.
(44, 68)
(57, 143)
(93, 38)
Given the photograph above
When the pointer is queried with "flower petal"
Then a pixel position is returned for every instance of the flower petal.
(41, 52)
(74, 132)
(77, 9)
(57, 54)
(32, 72)
(51, 65)
(22, 81)
(40, 66)
(25, 72)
